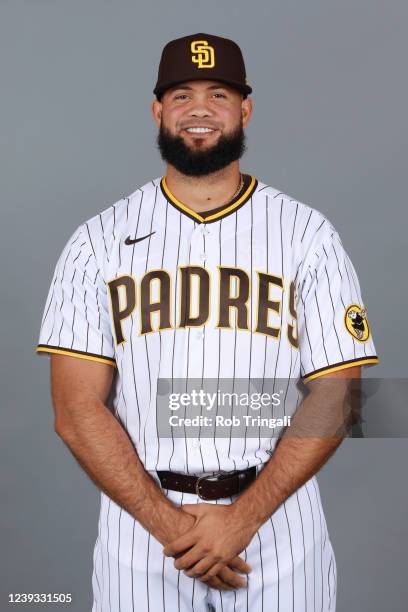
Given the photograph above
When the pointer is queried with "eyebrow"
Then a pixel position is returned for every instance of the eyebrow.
(177, 87)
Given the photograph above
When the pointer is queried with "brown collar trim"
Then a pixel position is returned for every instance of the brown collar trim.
(248, 188)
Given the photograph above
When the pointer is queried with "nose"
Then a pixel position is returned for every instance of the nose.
(200, 108)
(200, 111)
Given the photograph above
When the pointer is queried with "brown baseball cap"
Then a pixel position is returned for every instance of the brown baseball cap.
(201, 57)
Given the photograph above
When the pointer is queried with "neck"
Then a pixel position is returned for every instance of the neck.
(203, 193)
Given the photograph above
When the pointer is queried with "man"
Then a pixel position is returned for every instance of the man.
(204, 274)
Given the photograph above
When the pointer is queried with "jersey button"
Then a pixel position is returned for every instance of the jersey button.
(204, 230)
(203, 256)
(200, 334)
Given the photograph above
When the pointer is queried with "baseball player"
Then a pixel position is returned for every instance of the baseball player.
(204, 273)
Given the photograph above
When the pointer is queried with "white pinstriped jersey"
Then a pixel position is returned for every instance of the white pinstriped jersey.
(275, 241)
(262, 289)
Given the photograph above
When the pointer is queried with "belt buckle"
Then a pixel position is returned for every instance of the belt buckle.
(210, 477)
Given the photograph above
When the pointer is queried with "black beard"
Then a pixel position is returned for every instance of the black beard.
(200, 163)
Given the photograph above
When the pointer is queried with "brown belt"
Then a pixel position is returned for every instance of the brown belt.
(215, 486)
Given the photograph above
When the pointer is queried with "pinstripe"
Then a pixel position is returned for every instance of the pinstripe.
(160, 337)
(131, 327)
(219, 350)
(99, 312)
(114, 221)
(188, 331)
(262, 573)
(250, 322)
(202, 375)
(321, 324)
(72, 302)
(163, 566)
(86, 308)
(321, 539)
(145, 338)
(131, 566)
(334, 314)
(121, 392)
(119, 589)
(282, 299)
(202, 379)
(174, 332)
(235, 340)
(277, 560)
(188, 353)
(283, 288)
(107, 552)
(320, 226)
(265, 339)
(307, 223)
(49, 302)
(303, 544)
(291, 556)
(328, 582)
(314, 548)
(147, 571)
(103, 570)
(98, 550)
(90, 239)
(63, 297)
(103, 237)
(341, 278)
(178, 571)
(294, 224)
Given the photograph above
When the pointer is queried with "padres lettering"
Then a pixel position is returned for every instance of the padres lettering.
(228, 300)
(202, 54)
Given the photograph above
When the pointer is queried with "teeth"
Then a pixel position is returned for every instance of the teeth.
(199, 130)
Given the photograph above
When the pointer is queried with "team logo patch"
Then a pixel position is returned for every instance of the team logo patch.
(202, 54)
(356, 322)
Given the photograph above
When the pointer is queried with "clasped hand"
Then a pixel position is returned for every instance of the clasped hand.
(215, 540)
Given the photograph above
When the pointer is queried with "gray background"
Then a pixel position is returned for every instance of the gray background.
(329, 129)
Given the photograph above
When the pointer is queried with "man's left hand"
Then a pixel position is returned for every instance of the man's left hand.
(218, 535)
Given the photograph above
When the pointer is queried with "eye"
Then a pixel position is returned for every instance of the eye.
(218, 93)
(180, 96)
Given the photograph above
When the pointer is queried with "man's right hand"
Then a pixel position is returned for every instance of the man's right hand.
(228, 578)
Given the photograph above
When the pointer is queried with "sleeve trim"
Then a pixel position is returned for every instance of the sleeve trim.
(45, 348)
(340, 366)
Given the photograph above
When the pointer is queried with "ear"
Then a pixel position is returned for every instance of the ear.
(156, 109)
(246, 110)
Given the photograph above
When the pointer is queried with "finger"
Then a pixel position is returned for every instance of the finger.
(213, 571)
(217, 583)
(185, 541)
(189, 559)
(201, 567)
(240, 565)
(227, 575)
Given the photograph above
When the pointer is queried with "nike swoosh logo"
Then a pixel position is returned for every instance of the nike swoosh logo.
(130, 241)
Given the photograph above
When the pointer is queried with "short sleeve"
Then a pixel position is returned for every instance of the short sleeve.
(333, 328)
(76, 316)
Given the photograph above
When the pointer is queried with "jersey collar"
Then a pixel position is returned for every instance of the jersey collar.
(249, 187)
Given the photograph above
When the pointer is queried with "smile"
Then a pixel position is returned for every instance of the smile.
(199, 130)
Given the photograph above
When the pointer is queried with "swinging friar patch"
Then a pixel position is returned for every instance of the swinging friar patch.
(356, 322)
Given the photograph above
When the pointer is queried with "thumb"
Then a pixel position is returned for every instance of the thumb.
(191, 509)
